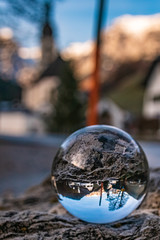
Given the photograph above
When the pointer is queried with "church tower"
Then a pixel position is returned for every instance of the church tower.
(47, 41)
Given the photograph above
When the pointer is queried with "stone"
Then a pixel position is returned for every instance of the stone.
(30, 225)
(24, 219)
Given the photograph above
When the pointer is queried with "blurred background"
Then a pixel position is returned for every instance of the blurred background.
(47, 61)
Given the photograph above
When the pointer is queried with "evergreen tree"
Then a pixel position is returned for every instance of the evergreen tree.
(67, 113)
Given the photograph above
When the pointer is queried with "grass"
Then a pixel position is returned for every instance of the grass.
(129, 94)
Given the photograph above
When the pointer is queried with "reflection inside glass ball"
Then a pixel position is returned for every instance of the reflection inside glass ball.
(100, 174)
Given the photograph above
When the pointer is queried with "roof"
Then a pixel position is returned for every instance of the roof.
(151, 69)
(54, 69)
(47, 30)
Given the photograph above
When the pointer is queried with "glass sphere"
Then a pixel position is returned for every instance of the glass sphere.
(100, 174)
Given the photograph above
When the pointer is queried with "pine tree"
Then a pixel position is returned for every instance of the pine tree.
(67, 113)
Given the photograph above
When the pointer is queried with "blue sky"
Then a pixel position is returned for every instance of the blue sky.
(75, 19)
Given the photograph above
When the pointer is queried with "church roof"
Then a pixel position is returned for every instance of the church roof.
(151, 69)
(54, 69)
(47, 30)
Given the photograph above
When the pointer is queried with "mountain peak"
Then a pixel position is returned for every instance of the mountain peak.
(129, 39)
(137, 24)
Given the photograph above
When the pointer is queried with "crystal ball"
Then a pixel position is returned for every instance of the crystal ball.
(100, 174)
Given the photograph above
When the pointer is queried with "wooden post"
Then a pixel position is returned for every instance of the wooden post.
(92, 113)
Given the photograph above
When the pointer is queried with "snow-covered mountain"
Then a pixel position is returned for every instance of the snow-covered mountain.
(128, 39)
(133, 38)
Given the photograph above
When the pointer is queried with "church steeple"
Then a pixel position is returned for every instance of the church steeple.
(47, 40)
(47, 30)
